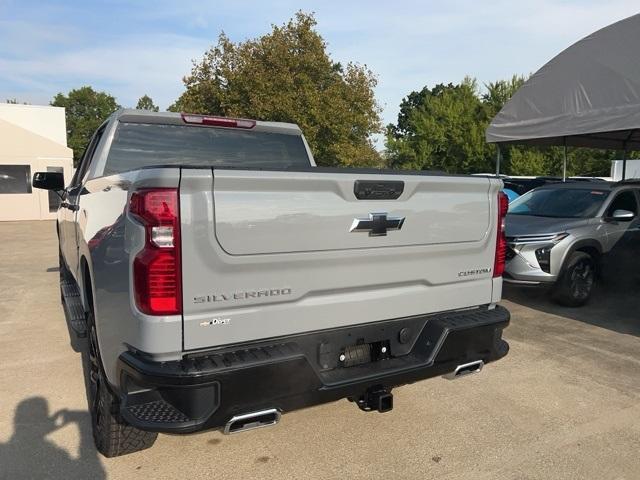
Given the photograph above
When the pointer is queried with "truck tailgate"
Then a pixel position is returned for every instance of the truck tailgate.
(279, 212)
(271, 253)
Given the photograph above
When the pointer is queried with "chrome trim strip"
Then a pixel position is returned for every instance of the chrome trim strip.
(524, 239)
(248, 416)
(464, 370)
(521, 282)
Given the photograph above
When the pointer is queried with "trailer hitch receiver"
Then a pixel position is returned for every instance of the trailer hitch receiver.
(378, 399)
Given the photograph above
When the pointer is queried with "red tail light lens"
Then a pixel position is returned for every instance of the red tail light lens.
(156, 269)
(501, 241)
(218, 121)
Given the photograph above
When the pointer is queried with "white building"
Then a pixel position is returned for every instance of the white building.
(32, 138)
(632, 171)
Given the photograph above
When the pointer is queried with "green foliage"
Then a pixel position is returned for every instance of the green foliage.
(498, 93)
(14, 101)
(443, 129)
(85, 109)
(287, 76)
(146, 103)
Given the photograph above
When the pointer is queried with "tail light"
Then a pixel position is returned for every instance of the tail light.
(218, 121)
(501, 241)
(156, 268)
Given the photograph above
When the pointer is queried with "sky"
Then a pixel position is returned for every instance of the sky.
(136, 47)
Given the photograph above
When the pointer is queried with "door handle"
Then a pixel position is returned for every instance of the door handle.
(70, 206)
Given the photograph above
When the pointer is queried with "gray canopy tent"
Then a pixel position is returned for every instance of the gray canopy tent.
(587, 96)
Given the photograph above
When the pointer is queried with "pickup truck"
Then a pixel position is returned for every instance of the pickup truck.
(221, 278)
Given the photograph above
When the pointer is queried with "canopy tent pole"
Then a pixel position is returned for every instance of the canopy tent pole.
(564, 162)
(498, 158)
(624, 154)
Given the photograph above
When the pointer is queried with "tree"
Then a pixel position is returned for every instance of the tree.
(287, 76)
(146, 103)
(14, 101)
(516, 160)
(441, 129)
(500, 92)
(85, 109)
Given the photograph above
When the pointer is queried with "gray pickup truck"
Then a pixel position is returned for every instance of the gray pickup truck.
(221, 278)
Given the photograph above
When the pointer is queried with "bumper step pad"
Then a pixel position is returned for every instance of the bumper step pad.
(157, 411)
(73, 309)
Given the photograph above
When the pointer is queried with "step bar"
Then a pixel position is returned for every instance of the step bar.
(73, 308)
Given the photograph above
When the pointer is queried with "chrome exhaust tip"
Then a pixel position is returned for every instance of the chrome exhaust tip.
(251, 421)
(465, 369)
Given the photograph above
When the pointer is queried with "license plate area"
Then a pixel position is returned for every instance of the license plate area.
(363, 353)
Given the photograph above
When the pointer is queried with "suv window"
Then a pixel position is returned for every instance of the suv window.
(624, 201)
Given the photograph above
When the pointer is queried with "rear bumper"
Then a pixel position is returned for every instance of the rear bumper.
(204, 390)
(514, 281)
(525, 281)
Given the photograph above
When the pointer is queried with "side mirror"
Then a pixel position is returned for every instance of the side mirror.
(623, 215)
(48, 181)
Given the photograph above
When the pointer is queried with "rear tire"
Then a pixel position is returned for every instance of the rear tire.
(112, 435)
(576, 283)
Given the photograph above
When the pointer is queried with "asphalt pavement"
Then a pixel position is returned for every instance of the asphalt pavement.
(564, 404)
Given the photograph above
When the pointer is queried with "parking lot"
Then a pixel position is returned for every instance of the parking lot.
(563, 404)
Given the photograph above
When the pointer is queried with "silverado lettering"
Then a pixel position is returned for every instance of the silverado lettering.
(223, 297)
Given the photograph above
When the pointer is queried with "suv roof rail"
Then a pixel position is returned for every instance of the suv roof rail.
(628, 181)
(573, 179)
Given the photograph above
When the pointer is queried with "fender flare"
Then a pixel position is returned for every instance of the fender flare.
(587, 243)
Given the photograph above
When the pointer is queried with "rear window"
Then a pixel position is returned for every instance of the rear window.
(137, 145)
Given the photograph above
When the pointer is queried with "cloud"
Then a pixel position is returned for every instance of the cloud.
(129, 68)
(413, 44)
(130, 49)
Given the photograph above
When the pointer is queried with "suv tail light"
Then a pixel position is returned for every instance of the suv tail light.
(501, 241)
(156, 268)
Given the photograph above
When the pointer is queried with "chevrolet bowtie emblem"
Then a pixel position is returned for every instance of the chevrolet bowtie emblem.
(377, 224)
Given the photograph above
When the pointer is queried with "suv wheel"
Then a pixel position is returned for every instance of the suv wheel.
(576, 282)
(112, 435)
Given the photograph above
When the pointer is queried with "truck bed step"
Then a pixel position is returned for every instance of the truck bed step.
(157, 411)
(69, 289)
(73, 309)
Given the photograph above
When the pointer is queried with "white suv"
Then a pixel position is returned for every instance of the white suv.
(563, 235)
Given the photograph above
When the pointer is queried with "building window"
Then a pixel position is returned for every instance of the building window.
(54, 199)
(15, 179)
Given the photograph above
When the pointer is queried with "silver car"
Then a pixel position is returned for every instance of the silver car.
(568, 235)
